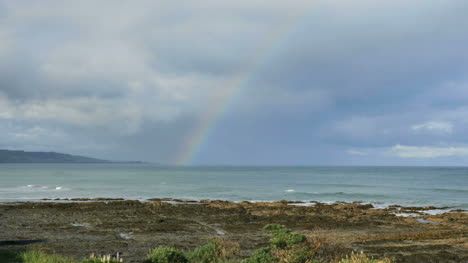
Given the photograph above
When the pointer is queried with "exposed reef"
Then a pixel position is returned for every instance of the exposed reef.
(81, 226)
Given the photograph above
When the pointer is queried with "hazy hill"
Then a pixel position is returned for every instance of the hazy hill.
(7, 156)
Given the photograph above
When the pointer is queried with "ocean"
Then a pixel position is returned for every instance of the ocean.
(381, 186)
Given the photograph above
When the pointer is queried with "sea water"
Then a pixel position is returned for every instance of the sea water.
(407, 186)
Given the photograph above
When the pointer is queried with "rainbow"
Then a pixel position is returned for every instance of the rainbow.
(193, 143)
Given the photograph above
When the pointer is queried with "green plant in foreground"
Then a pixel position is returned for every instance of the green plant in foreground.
(34, 256)
(216, 251)
(262, 255)
(166, 255)
(281, 237)
(285, 247)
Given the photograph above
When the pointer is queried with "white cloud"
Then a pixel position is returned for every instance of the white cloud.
(434, 126)
(355, 152)
(405, 151)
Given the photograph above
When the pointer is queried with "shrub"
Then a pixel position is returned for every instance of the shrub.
(262, 255)
(216, 251)
(206, 253)
(302, 255)
(166, 255)
(281, 237)
(289, 247)
(295, 238)
(275, 227)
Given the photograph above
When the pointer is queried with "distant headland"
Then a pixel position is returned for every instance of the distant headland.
(10, 156)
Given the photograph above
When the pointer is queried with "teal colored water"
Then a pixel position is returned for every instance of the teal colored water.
(422, 186)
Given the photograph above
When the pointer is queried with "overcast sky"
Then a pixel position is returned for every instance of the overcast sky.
(323, 82)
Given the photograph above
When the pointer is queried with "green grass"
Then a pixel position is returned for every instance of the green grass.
(35, 256)
(166, 255)
(285, 247)
(216, 251)
(281, 237)
(262, 255)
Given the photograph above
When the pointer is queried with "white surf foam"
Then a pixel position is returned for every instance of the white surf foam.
(407, 214)
(125, 236)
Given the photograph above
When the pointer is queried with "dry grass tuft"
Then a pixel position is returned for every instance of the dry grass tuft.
(362, 258)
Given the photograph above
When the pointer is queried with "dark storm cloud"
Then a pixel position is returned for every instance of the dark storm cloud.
(342, 80)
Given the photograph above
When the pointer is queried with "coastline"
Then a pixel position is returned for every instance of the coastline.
(396, 209)
(380, 186)
(82, 226)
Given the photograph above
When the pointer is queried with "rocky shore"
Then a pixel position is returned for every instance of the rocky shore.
(79, 227)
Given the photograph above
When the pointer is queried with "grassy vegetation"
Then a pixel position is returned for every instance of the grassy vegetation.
(424, 235)
(362, 258)
(285, 247)
(216, 251)
(166, 255)
(282, 238)
(34, 256)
